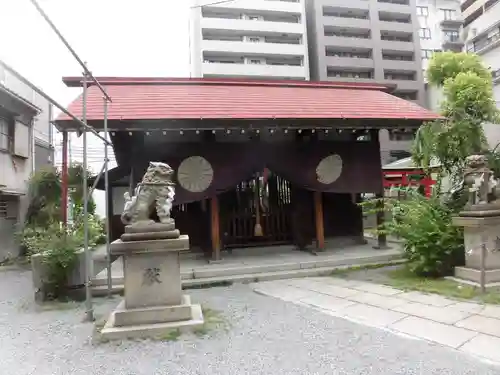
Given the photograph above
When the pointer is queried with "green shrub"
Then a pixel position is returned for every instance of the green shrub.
(59, 247)
(432, 244)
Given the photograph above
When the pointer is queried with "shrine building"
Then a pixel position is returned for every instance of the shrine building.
(257, 163)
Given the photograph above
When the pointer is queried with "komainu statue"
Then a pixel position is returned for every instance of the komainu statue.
(154, 193)
(481, 186)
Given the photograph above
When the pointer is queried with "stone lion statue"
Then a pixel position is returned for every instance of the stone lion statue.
(482, 187)
(155, 192)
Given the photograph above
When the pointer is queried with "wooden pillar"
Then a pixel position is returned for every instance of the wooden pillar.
(381, 237)
(64, 178)
(215, 228)
(131, 181)
(318, 214)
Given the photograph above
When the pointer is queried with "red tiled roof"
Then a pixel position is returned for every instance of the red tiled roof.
(184, 98)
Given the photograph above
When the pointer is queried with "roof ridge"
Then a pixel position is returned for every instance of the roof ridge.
(126, 81)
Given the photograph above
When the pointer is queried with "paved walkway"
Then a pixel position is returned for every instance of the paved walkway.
(466, 326)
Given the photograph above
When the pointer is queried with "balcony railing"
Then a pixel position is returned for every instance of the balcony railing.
(354, 75)
(399, 2)
(495, 75)
(400, 77)
(391, 38)
(484, 42)
(347, 35)
(347, 15)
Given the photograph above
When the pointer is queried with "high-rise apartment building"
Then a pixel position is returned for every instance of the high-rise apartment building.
(370, 41)
(258, 39)
(482, 36)
(440, 22)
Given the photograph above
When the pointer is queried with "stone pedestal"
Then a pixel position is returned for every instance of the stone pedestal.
(479, 230)
(153, 303)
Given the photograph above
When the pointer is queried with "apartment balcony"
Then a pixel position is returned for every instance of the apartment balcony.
(394, 8)
(334, 78)
(353, 42)
(249, 48)
(396, 26)
(395, 45)
(452, 44)
(350, 4)
(346, 22)
(482, 44)
(254, 70)
(261, 6)
(230, 25)
(405, 85)
(349, 62)
(452, 23)
(495, 75)
(400, 65)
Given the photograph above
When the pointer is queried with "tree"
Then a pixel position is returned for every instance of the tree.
(46, 195)
(432, 244)
(468, 103)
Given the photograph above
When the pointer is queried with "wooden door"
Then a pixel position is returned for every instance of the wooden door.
(255, 200)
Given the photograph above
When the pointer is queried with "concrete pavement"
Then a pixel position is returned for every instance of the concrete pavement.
(466, 326)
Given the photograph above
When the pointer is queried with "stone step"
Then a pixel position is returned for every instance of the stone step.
(222, 270)
(102, 290)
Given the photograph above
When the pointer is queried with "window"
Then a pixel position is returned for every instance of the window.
(6, 135)
(448, 14)
(427, 54)
(451, 35)
(255, 61)
(425, 33)
(254, 39)
(422, 11)
(255, 18)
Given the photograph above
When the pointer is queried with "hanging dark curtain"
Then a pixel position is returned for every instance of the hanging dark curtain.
(231, 163)
(297, 162)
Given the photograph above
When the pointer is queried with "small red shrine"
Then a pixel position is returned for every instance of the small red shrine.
(403, 173)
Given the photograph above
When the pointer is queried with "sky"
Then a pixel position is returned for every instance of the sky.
(147, 38)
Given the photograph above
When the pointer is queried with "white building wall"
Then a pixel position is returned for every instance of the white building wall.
(17, 165)
(430, 14)
(230, 52)
(487, 25)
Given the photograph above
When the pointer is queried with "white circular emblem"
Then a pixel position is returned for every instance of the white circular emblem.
(195, 174)
(329, 169)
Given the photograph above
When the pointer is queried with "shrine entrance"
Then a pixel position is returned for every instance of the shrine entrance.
(257, 212)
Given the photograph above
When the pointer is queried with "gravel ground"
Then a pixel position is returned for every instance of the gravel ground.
(267, 336)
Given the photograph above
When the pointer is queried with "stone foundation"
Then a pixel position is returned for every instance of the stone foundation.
(153, 303)
(480, 230)
(151, 322)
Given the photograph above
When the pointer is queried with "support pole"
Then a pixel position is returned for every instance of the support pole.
(88, 256)
(381, 237)
(215, 228)
(319, 220)
(482, 262)
(106, 189)
(79, 122)
(64, 178)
